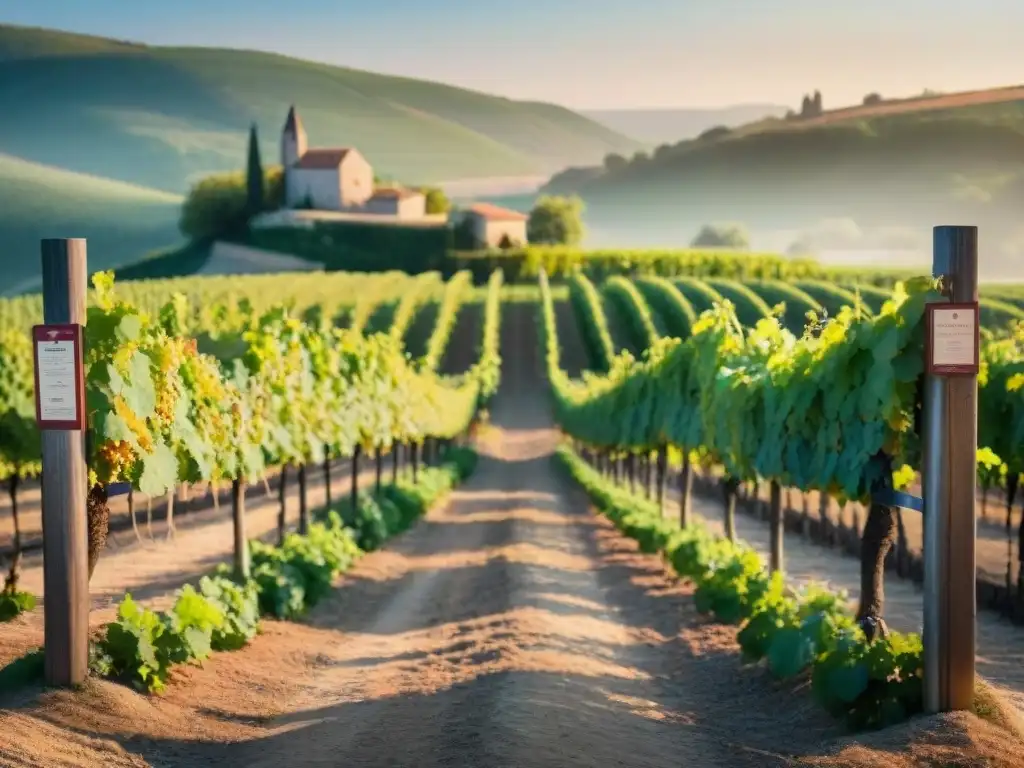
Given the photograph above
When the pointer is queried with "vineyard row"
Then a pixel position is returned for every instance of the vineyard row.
(832, 411)
(276, 390)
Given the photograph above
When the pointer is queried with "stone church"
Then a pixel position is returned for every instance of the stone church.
(337, 179)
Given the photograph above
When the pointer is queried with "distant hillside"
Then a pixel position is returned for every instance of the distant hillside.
(956, 158)
(121, 221)
(661, 126)
(988, 103)
(162, 117)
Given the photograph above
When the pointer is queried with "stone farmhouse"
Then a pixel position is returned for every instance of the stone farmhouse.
(338, 179)
(494, 226)
(338, 183)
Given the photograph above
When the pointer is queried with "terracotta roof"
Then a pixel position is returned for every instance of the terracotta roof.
(323, 159)
(394, 193)
(496, 212)
(292, 125)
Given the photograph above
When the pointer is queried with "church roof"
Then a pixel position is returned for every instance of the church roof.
(293, 125)
(323, 159)
(496, 212)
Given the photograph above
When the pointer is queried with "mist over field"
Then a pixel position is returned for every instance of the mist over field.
(888, 247)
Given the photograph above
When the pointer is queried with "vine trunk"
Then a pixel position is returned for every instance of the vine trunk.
(98, 514)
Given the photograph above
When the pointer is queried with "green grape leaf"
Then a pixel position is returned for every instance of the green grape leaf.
(159, 471)
(848, 681)
(790, 652)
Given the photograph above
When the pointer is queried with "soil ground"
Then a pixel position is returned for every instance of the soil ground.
(511, 627)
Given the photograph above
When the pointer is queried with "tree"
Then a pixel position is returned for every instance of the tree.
(717, 132)
(437, 200)
(872, 98)
(615, 162)
(722, 236)
(254, 180)
(218, 204)
(463, 236)
(818, 109)
(556, 221)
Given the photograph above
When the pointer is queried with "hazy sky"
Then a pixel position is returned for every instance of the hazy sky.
(600, 53)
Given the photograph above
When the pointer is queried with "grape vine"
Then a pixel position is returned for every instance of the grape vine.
(831, 411)
(260, 389)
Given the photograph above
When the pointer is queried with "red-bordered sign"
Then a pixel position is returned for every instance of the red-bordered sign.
(953, 339)
(59, 376)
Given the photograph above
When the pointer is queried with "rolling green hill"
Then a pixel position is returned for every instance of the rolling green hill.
(161, 117)
(951, 159)
(121, 221)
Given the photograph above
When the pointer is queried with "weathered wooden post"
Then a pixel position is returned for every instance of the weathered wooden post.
(950, 443)
(60, 412)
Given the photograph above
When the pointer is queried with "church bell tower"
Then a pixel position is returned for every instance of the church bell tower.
(293, 140)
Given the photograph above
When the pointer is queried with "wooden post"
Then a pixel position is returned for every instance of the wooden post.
(731, 486)
(64, 490)
(303, 506)
(777, 529)
(282, 510)
(950, 443)
(238, 519)
(327, 480)
(355, 478)
(685, 490)
(661, 476)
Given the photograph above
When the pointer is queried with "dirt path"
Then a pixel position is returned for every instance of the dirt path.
(512, 628)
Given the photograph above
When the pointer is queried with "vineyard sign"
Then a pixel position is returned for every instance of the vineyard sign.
(60, 383)
(953, 341)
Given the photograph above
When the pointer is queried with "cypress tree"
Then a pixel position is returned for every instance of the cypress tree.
(254, 175)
